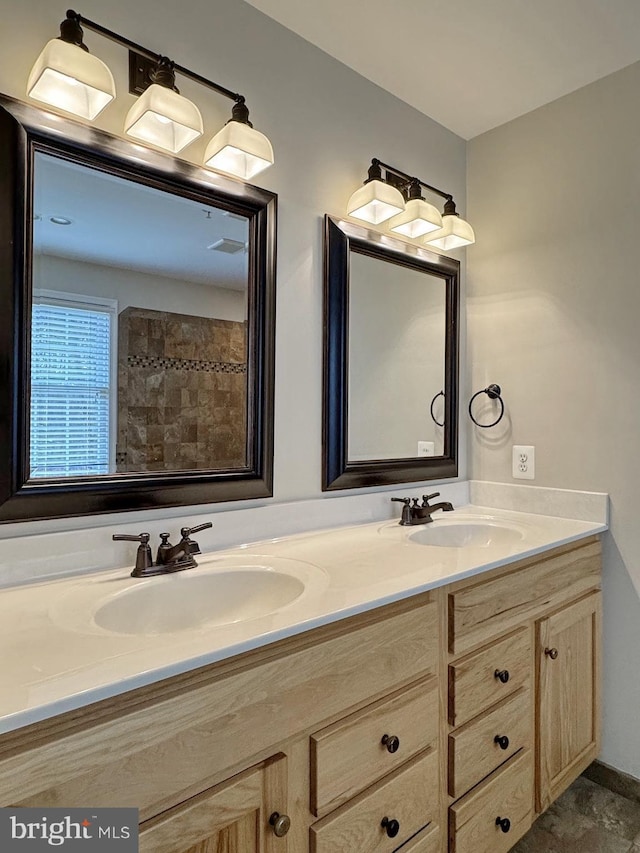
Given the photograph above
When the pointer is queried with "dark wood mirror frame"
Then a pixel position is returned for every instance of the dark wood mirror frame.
(25, 130)
(340, 238)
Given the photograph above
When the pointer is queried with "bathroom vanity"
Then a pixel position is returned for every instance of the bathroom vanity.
(443, 717)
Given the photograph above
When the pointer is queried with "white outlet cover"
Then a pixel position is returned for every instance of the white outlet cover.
(426, 448)
(523, 462)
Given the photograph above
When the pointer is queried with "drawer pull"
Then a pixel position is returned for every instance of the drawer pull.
(391, 742)
(281, 824)
(502, 741)
(551, 653)
(502, 675)
(392, 827)
(504, 823)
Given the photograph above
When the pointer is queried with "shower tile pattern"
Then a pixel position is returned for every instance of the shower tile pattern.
(182, 392)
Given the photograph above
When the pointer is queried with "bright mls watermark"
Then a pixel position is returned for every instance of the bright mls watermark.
(35, 830)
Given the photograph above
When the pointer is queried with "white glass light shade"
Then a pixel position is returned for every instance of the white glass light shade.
(239, 150)
(164, 118)
(455, 232)
(67, 77)
(375, 202)
(418, 218)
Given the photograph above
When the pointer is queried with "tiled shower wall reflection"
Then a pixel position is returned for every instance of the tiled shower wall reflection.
(182, 392)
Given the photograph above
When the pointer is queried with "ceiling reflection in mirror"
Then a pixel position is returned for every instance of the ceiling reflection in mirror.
(139, 328)
(397, 332)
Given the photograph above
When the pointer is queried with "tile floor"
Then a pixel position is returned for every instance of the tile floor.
(587, 818)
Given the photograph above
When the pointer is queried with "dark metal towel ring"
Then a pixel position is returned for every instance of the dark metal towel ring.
(433, 417)
(493, 393)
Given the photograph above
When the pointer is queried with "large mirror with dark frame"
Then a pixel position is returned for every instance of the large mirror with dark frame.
(137, 331)
(390, 360)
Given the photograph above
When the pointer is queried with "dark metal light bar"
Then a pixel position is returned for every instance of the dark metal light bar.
(151, 55)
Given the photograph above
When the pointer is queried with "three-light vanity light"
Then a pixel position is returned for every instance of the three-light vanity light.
(396, 198)
(68, 77)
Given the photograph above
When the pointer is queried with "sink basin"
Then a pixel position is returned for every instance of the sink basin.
(220, 591)
(467, 534)
(191, 601)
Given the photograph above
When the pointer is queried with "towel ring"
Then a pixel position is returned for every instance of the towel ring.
(433, 417)
(493, 393)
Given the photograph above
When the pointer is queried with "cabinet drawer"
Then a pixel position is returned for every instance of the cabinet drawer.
(473, 749)
(349, 756)
(480, 680)
(409, 796)
(479, 612)
(507, 793)
(427, 841)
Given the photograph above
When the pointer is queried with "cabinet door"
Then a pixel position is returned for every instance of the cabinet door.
(568, 652)
(233, 817)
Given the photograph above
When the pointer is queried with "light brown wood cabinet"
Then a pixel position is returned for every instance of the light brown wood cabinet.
(568, 661)
(523, 692)
(440, 722)
(238, 816)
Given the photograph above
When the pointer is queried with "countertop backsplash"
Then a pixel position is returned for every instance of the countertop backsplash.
(31, 551)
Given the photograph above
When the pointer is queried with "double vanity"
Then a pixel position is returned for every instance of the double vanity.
(369, 688)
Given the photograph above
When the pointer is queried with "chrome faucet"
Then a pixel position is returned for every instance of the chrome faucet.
(415, 513)
(170, 558)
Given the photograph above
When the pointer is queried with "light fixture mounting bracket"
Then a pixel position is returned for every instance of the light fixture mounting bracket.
(140, 70)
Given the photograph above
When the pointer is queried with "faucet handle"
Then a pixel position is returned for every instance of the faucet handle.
(126, 537)
(187, 531)
(190, 544)
(427, 498)
(144, 557)
(405, 501)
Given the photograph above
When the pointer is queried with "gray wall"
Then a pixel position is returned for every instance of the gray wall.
(553, 313)
(325, 123)
(138, 289)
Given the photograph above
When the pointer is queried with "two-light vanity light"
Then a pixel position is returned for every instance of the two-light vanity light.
(68, 77)
(397, 200)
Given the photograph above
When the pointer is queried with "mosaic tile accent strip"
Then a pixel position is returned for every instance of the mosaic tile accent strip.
(185, 364)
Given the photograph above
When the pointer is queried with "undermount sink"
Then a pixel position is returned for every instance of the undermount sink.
(220, 592)
(466, 534)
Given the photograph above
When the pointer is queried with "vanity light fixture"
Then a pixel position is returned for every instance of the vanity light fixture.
(375, 201)
(414, 216)
(161, 115)
(455, 231)
(68, 77)
(418, 217)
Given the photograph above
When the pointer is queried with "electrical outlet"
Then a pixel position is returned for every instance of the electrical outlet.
(426, 448)
(524, 462)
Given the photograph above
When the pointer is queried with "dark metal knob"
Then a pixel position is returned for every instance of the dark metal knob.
(391, 742)
(502, 675)
(504, 823)
(551, 653)
(391, 827)
(281, 824)
(502, 741)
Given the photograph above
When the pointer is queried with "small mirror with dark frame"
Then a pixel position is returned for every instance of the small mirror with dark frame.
(137, 338)
(390, 360)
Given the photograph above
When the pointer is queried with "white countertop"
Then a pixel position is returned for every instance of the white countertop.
(55, 658)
